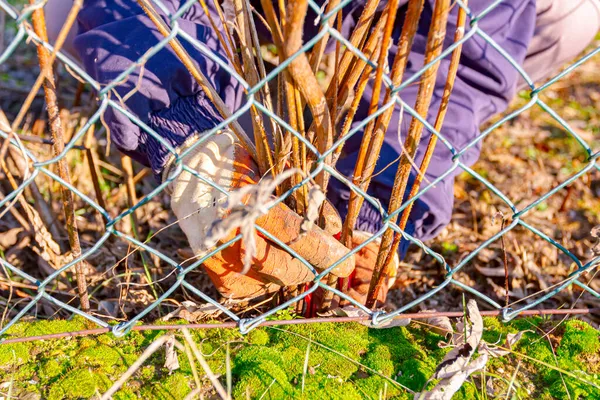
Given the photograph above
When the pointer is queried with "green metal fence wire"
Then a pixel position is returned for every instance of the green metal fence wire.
(25, 33)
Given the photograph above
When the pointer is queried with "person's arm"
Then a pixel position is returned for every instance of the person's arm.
(113, 35)
(161, 93)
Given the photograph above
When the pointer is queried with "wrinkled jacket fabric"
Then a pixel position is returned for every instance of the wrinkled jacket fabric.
(113, 34)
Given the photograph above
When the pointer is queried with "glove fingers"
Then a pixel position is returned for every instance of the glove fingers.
(277, 265)
(270, 263)
(317, 247)
(226, 275)
(272, 267)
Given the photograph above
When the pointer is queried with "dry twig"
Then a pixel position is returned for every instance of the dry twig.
(452, 70)
(435, 41)
(39, 25)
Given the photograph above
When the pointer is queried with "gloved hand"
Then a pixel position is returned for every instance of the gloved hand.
(360, 278)
(365, 262)
(197, 205)
(115, 34)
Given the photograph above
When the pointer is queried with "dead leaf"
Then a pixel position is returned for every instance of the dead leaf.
(9, 238)
(440, 325)
(192, 312)
(457, 365)
(316, 197)
(171, 361)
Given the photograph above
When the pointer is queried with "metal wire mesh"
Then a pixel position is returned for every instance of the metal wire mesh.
(41, 167)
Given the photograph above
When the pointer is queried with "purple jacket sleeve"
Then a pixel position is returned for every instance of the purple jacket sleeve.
(116, 33)
(113, 35)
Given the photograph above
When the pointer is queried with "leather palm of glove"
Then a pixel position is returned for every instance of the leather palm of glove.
(196, 204)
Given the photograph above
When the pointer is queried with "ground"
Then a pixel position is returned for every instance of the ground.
(524, 159)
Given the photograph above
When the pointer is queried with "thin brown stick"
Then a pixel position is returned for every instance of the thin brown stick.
(282, 84)
(336, 73)
(39, 26)
(367, 138)
(435, 41)
(264, 158)
(224, 23)
(291, 93)
(96, 182)
(307, 82)
(362, 85)
(131, 194)
(349, 70)
(91, 157)
(227, 46)
(439, 121)
(299, 321)
(198, 76)
(381, 62)
(363, 177)
(303, 191)
(357, 37)
(316, 54)
(265, 90)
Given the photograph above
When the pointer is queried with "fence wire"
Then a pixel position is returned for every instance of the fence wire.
(25, 36)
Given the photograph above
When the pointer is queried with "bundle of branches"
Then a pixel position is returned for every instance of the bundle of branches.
(300, 98)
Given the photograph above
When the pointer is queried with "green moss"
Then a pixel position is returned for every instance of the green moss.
(340, 340)
(329, 389)
(379, 359)
(45, 327)
(50, 369)
(259, 374)
(259, 337)
(171, 387)
(105, 357)
(269, 362)
(414, 374)
(579, 339)
(78, 384)
(13, 355)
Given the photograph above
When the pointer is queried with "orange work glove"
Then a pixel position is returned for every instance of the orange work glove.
(197, 205)
(365, 262)
(359, 279)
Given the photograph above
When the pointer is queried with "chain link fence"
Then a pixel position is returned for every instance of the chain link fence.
(25, 38)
